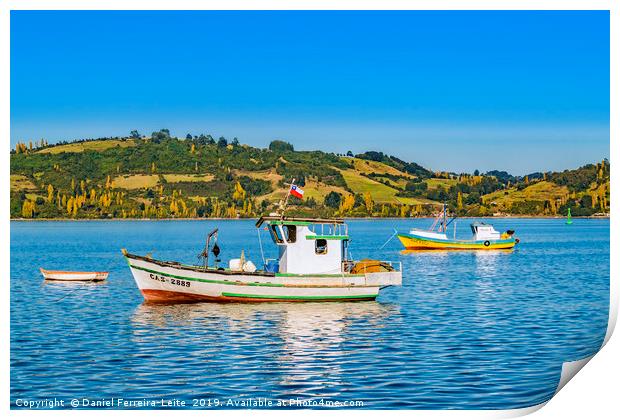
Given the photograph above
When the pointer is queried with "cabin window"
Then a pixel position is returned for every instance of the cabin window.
(290, 233)
(320, 246)
(275, 235)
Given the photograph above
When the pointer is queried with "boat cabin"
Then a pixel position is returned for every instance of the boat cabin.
(308, 246)
(483, 231)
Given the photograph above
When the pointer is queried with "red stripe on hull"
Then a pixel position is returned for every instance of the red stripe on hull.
(166, 296)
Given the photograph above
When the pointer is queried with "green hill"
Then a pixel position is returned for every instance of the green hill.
(162, 176)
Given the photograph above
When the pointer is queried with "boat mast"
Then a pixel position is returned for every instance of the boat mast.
(285, 202)
(445, 228)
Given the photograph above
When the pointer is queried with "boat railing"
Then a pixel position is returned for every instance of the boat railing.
(348, 265)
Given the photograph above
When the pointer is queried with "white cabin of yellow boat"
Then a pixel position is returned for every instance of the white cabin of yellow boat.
(483, 231)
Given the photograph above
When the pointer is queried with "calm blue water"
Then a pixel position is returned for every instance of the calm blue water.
(466, 330)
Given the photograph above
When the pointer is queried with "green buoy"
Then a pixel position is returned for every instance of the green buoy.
(569, 221)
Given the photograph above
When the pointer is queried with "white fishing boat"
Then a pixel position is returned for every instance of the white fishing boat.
(313, 264)
(74, 275)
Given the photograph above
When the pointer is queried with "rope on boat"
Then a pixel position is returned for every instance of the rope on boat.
(391, 237)
(260, 244)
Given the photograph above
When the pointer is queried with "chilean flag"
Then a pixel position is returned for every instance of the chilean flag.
(296, 191)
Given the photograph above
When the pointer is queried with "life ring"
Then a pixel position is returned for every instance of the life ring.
(487, 243)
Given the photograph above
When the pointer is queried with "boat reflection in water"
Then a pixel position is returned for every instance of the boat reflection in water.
(488, 263)
(300, 347)
(447, 252)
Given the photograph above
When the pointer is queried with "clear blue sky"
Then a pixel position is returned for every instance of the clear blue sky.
(517, 91)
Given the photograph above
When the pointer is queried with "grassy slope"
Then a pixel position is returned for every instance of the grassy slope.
(380, 193)
(97, 145)
(134, 182)
(21, 183)
(360, 184)
(188, 177)
(369, 166)
(540, 191)
(435, 183)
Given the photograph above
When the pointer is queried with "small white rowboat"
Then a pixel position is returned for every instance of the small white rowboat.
(74, 275)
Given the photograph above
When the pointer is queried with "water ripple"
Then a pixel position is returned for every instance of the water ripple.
(466, 330)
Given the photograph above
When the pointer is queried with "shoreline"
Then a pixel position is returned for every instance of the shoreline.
(252, 218)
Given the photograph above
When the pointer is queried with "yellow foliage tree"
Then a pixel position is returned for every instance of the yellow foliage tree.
(368, 202)
(347, 204)
(173, 207)
(28, 209)
(70, 205)
(239, 193)
(50, 193)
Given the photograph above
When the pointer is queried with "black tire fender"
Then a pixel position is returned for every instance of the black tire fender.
(487, 243)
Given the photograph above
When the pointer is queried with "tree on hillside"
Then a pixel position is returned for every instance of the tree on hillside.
(368, 202)
(372, 155)
(134, 134)
(281, 146)
(50, 193)
(347, 204)
(333, 199)
(158, 136)
(222, 142)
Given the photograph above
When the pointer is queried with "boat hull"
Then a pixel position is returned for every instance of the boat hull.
(412, 241)
(74, 275)
(159, 282)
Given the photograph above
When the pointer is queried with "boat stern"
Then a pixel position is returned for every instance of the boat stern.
(384, 279)
(379, 273)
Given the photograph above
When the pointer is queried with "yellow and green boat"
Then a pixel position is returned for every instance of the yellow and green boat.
(484, 237)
